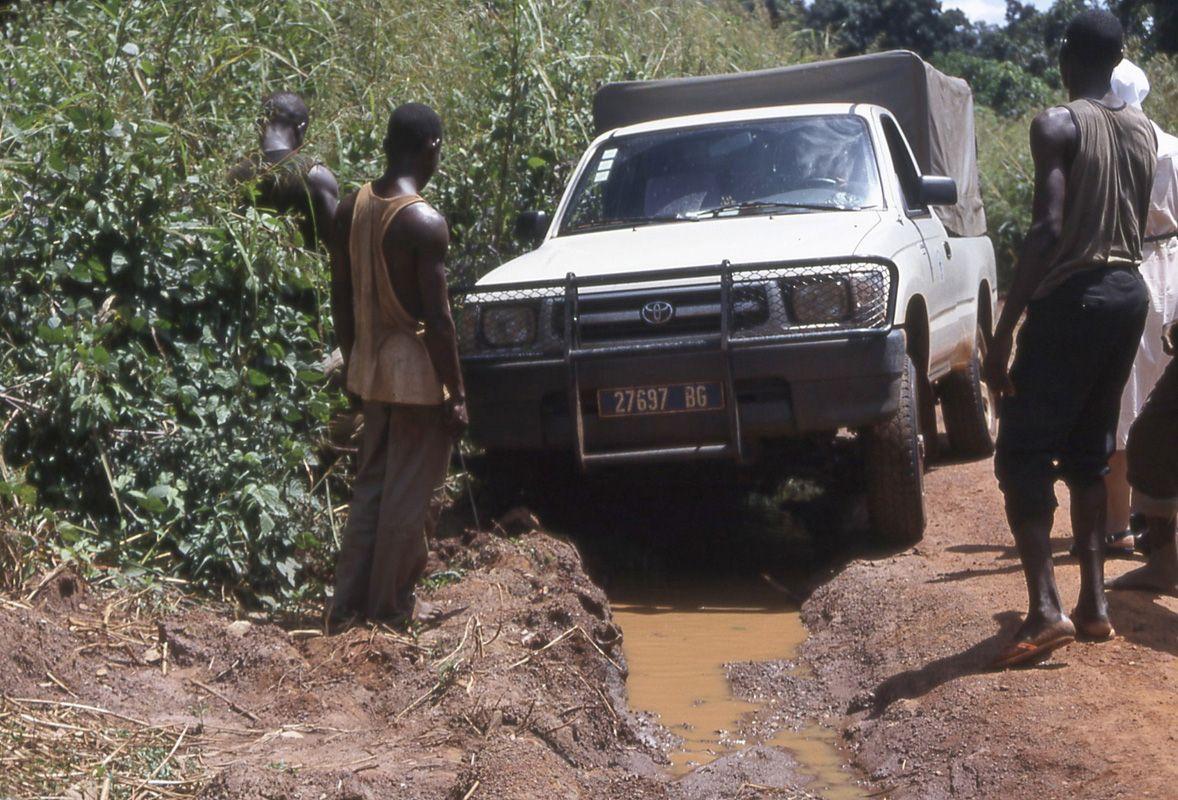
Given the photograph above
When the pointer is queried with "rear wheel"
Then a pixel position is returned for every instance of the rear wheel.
(894, 460)
(970, 416)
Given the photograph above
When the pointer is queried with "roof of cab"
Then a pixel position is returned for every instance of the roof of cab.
(738, 115)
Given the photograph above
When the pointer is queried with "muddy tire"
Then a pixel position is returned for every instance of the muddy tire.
(894, 464)
(970, 417)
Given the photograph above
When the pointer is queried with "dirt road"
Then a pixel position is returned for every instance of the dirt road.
(522, 693)
(900, 645)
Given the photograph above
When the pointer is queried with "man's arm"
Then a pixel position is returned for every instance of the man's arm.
(431, 239)
(1053, 137)
(342, 313)
(324, 201)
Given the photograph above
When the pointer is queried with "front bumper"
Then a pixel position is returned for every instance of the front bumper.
(784, 389)
(781, 375)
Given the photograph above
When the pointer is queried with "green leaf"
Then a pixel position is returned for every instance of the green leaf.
(257, 377)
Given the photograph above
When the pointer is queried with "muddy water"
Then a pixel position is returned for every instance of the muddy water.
(676, 653)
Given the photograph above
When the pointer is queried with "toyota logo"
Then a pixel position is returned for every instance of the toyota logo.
(657, 312)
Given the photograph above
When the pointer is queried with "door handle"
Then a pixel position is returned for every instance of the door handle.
(948, 251)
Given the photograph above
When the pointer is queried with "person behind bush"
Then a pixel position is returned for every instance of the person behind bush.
(282, 177)
(1159, 267)
(1077, 280)
(393, 322)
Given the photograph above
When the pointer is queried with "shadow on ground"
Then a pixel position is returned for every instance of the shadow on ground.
(672, 525)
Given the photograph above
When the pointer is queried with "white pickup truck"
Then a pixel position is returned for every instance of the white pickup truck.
(742, 263)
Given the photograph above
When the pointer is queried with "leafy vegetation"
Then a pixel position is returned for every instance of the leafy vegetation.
(160, 342)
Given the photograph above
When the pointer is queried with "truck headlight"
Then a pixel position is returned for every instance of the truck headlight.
(509, 326)
(822, 301)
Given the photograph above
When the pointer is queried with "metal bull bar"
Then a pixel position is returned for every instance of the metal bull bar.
(574, 352)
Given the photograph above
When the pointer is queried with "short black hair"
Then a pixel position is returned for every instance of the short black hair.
(412, 128)
(285, 106)
(1095, 36)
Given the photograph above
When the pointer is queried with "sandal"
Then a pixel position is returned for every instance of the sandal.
(1030, 651)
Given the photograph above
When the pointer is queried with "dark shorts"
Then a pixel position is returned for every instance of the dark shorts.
(1075, 352)
(1153, 449)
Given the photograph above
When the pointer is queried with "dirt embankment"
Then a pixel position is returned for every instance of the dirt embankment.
(520, 695)
(897, 662)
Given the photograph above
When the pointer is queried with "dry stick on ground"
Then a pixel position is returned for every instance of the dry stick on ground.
(53, 573)
(461, 644)
(160, 766)
(562, 637)
(470, 792)
(234, 706)
(82, 707)
(61, 685)
(421, 699)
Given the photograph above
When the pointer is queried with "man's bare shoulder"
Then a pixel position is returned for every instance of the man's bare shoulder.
(426, 225)
(322, 178)
(1053, 128)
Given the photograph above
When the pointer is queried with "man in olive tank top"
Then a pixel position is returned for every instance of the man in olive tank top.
(392, 318)
(1086, 303)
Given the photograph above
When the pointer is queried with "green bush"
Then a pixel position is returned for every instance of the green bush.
(159, 380)
(1006, 88)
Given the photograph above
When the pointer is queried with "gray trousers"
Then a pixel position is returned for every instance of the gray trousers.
(404, 453)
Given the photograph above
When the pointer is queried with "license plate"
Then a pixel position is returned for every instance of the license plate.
(678, 398)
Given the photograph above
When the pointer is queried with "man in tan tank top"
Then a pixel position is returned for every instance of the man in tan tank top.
(1077, 280)
(392, 319)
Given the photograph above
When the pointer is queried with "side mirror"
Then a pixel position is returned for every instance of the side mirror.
(531, 227)
(937, 190)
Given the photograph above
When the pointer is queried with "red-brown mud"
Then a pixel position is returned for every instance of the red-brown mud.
(897, 657)
(522, 694)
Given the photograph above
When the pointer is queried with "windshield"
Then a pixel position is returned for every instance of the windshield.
(771, 166)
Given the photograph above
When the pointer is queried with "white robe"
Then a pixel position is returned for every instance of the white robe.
(1159, 267)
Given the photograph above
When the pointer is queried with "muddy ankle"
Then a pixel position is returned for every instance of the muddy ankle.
(1039, 623)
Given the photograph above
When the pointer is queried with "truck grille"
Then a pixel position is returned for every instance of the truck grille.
(768, 301)
(619, 316)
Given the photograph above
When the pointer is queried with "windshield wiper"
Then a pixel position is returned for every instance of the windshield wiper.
(607, 223)
(770, 205)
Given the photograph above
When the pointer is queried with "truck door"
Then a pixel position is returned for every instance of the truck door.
(944, 328)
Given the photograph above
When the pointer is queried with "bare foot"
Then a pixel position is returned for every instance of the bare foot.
(1093, 626)
(1091, 618)
(1159, 575)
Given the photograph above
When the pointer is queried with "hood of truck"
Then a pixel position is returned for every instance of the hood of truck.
(740, 240)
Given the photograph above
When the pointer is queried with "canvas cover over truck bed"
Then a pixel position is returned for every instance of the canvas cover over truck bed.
(934, 110)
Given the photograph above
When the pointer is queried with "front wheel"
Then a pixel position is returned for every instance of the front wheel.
(970, 415)
(894, 461)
